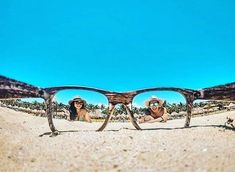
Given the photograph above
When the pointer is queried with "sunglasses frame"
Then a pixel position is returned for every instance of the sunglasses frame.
(13, 89)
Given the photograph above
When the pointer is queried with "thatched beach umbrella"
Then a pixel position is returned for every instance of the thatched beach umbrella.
(136, 115)
(15, 107)
(34, 111)
(231, 106)
(206, 107)
(174, 114)
(182, 113)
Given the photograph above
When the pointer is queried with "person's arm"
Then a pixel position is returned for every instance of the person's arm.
(165, 115)
(87, 117)
(160, 119)
(163, 118)
(146, 119)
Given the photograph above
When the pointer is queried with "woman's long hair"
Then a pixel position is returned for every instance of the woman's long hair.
(73, 111)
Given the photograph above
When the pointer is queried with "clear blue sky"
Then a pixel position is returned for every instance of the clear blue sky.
(118, 45)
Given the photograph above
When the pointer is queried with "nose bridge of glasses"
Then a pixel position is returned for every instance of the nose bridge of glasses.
(120, 98)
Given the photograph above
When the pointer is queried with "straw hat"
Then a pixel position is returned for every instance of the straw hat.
(77, 99)
(154, 99)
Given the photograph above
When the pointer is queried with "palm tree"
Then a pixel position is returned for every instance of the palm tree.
(105, 111)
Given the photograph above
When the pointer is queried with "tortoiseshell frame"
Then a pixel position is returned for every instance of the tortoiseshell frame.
(10, 88)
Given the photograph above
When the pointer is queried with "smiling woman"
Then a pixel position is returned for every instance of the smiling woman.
(78, 111)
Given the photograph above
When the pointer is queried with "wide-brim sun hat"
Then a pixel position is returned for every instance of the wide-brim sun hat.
(154, 100)
(77, 99)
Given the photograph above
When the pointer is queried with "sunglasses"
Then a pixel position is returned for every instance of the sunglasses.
(153, 104)
(111, 107)
(78, 103)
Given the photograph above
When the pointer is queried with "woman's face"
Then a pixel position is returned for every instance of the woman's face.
(78, 105)
(154, 106)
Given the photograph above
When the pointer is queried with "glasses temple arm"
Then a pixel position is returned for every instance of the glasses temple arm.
(10, 88)
(220, 92)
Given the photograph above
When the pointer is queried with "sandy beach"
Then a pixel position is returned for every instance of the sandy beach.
(26, 146)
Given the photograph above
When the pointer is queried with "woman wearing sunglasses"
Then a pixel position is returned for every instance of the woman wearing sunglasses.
(77, 110)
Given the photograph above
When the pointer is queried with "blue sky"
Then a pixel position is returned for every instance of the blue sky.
(118, 46)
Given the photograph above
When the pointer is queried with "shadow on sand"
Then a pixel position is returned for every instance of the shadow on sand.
(224, 127)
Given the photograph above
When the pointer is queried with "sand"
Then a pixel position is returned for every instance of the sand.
(206, 146)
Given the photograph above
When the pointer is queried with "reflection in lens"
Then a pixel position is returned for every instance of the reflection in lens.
(79, 110)
(160, 109)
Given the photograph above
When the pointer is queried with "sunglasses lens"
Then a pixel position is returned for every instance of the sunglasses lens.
(160, 109)
(153, 105)
(78, 103)
(86, 114)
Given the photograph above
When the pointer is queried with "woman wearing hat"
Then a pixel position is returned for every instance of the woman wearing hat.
(155, 112)
(77, 110)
